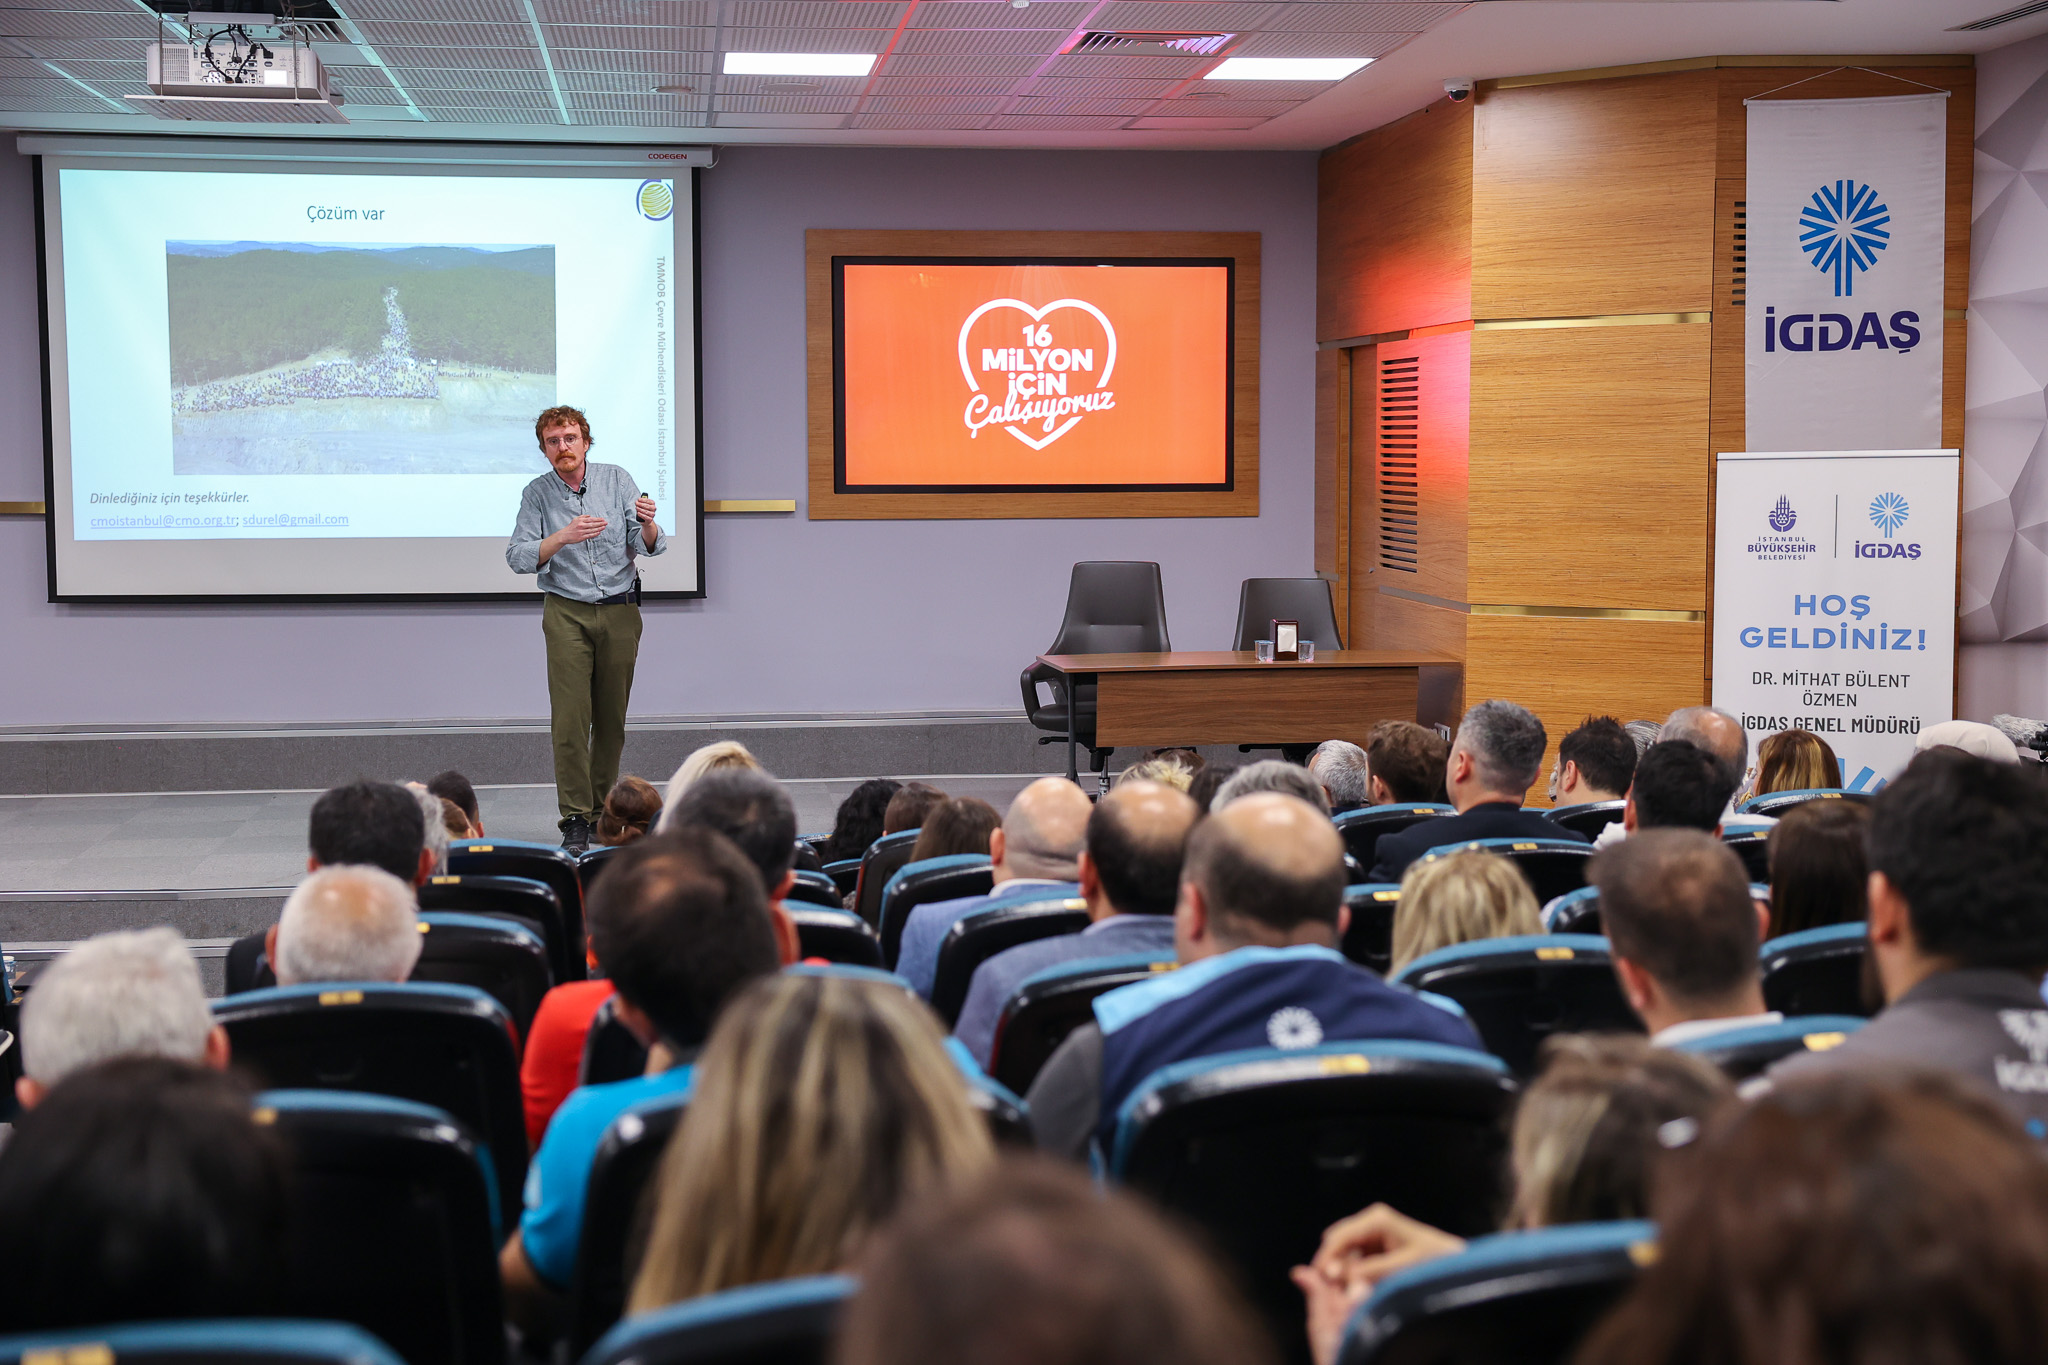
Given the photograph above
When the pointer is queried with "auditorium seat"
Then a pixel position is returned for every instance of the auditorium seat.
(979, 937)
(543, 863)
(1550, 866)
(1517, 991)
(229, 1341)
(1817, 971)
(506, 961)
(1743, 1052)
(845, 874)
(1777, 803)
(394, 1227)
(884, 856)
(452, 1047)
(782, 1322)
(807, 859)
(590, 862)
(521, 899)
(1113, 607)
(1263, 1149)
(613, 1217)
(834, 934)
(1049, 1005)
(1575, 912)
(1369, 938)
(1525, 1297)
(611, 1052)
(1753, 846)
(1363, 827)
(815, 888)
(925, 883)
(1588, 818)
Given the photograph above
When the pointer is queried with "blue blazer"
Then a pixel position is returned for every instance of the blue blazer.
(1488, 820)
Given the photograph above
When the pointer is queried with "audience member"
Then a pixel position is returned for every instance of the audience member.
(1457, 899)
(1678, 785)
(1272, 775)
(1037, 851)
(433, 829)
(345, 924)
(1202, 790)
(1033, 1265)
(1972, 737)
(1720, 734)
(1819, 872)
(142, 1189)
(1595, 762)
(456, 821)
(709, 758)
(1844, 1223)
(958, 824)
(680, 923)
(1795, 760)
(453, 786)
(858, 821)
(750, 808)
(1644, 733)
(1493, 763)
(909, 805)
(1261, 910)
(1130, 877)
(1341, 767)
(1405, 763)
(134, 993)
(1585, 1147)
(1677, 912)
(822, 1104)
(552, 1059)
(1170, 772)
(630, 809)
(1958, 931)
(373, 824)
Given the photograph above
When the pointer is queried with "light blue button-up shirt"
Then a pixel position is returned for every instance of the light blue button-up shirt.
(593, 569)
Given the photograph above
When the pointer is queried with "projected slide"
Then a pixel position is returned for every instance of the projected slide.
(1023, 374)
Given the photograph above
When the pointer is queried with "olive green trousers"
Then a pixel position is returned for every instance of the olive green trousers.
(591, 653)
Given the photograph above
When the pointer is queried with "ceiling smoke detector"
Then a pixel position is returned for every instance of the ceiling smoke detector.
(1151, 43)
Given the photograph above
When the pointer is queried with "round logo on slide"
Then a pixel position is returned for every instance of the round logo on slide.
(656, 200)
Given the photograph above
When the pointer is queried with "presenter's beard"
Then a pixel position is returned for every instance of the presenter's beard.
(569, 468)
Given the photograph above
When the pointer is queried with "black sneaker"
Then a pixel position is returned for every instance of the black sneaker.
(575, 834)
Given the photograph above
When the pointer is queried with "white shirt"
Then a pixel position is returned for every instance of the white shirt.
(1692, 1030)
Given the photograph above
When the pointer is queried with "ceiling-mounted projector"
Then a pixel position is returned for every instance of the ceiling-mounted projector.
(237, 68)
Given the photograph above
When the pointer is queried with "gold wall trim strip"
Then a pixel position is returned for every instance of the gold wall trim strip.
(1426, 599)
(1608, 73)
(717, 505)
(1606, 320)
(22, 509)
(1594, 613)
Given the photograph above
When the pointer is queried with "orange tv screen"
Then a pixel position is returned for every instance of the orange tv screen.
(973, 374)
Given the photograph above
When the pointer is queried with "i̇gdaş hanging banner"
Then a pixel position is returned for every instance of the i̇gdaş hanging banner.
(1843, 279)
(1835, 598)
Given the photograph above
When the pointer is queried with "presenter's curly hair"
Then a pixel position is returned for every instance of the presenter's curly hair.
(559, 416)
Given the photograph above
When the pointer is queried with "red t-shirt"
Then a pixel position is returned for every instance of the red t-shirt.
(554, 1050)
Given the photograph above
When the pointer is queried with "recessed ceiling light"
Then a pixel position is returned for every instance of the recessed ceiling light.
(1287, 68)
(799, 63)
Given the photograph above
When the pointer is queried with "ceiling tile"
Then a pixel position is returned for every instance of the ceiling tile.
(1260, 91)
(431, 84)
(448, 35)
(1084, 65)
(1080, 105)
(69, 100)
(1345, 18)
(1188, 125)
(460, 59)
(815, 14)
(778, 120)
(615, 39)
(783, 104)
(435, 11)
(625, 120)
(651, 64)
(1232, 16)
(644, 13)
(944, 85)
(780, 85)
(960, 64)
(1111, 88)
(1317, 44)
(807, 40)
(435, 101)
(1237, 108)
(608, 82)
(950, 104)
(983, 40)
(1060, 14)
(1056, 124)
(471, 115)
(674, 106)
(21, 66)
(967, 121)
(110, 6)
(96, 49)
(45, 23)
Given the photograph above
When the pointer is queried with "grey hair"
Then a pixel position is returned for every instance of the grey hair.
(1271, 775)
(1341, 767)
(1687, 723)
(131, 994)
(437, 827)
(347, 923)
(1506, 743)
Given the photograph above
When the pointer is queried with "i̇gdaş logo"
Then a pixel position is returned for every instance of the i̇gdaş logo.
(1048, 374)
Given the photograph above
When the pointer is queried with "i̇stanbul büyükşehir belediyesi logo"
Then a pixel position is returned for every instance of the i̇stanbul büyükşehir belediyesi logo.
(1842, 231)
(1038, 375)
(1783, 518)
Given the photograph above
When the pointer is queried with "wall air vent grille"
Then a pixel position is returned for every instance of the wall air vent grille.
(1738, 281)
(1396, 460)
(1161, 44)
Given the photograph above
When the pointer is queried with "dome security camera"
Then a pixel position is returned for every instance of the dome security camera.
(1459, 88)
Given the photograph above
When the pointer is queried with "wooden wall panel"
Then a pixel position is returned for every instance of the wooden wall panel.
(1594, 197)
(1589, 467)
(1394, 226)
(1333, 472)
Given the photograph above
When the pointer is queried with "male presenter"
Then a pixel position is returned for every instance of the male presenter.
(580, 529)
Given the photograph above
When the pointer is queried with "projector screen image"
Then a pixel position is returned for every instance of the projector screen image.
(955, 375)
(321, 381)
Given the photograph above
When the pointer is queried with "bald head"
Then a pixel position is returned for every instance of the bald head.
(347, 923)
(1043, 832)
(1714, 730)
(1267, 864)
(1136, 839)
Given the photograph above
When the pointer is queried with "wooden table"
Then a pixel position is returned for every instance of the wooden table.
(1227, 697)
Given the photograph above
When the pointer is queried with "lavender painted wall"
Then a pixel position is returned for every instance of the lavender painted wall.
(802, 616)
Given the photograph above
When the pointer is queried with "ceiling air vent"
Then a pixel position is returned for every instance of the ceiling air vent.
(315, 31)
(1153, 44)
(1979, 25)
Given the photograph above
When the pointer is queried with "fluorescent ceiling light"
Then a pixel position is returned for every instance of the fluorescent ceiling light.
(799, 63)
(1286, 68)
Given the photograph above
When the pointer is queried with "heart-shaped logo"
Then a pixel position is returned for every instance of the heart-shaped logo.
(1037, 375)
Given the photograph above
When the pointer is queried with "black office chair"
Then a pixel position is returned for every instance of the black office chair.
(1589, 818)
(1363, 827)
(1308, 601)
(1576, 912)
(815, 888)
(1369, 939)
(1526, 1297)
(505, 961)
(615, 1215)
(782, 1322)
(1049, 1005)
(543, 863)
(590, 862)
(519, 899)
(451, 1047)
(1753, 846)
(1113, 607)
(926, 883)
(1518, 991)
(1817, 971)
(1743, 1052)
(1777, 803)
(882, 860)
(979, 937)
(228, 1341)
(1265, 1149)
(394, 1226)
(611, 1052)
(1552, 867)
(834, 934)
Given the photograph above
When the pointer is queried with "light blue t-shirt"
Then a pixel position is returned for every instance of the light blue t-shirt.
(558, 1179)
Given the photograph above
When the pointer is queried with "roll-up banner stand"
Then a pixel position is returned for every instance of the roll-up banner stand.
(1835, 598)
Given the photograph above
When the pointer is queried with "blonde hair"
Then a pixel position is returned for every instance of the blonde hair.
(1795, 760)
(1456, 899)
(822, 1104)
(724, 753)
(1164, 771)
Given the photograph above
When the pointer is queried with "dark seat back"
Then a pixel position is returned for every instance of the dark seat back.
(1518, 991)
(979, 937)
(783, 1322)
(1575, 912)
(1589, 818)
(1262, 601)
(1369, 938)
(1817, 971)
(1526, 1297)
(1753, 846)
(1363, 827)
(610, 1050)
(1264, 1149)
(845, 874)
(395, 1227)
(1743, 1052)
(1777, 803)
(543, 863)
(834, 934)
(506, 961)
(615, 1214)
(450, 1047)
(591, 861)
(1552, 867)
(924, 883)
(198, 1341)
(1049, 1005)
(815, 888)
(1113, 607)
(522, 900)
(884, 856)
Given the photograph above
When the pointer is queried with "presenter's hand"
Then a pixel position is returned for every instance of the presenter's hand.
(644, 510)
(583, 528)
